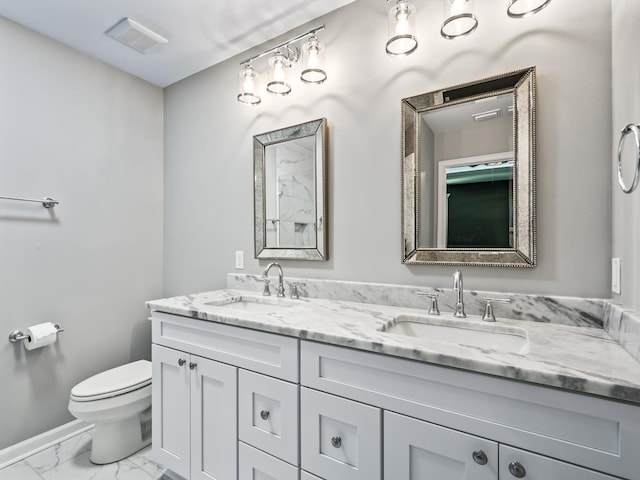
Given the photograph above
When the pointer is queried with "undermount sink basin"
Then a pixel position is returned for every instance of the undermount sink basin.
(252, 304)
(487, 336)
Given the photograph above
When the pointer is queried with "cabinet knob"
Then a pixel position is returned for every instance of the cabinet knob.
(336, 442)
(517, 470)
(181, 361)
(192, 365)
(264, 414)
(480, 457)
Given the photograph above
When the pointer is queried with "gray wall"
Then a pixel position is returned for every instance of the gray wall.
(208, 170)
(91, 136)
(626, 109)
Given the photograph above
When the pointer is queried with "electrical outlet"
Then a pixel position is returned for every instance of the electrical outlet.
(239, 259)
(615, 276)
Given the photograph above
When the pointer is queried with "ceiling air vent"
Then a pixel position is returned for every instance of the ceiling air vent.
(134, 35)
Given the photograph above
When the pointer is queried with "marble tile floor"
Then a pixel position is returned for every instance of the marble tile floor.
(69, 460)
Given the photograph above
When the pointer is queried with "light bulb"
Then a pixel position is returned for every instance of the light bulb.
(459, 19)
(278, 84)
(313, 58)
(401, 41)
(247, 84)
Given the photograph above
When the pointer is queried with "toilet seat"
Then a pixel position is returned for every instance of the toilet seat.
(117, 381)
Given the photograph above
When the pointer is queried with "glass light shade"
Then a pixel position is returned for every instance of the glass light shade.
(402, 40)
(525, 8)
(247, 86)
(313, 61)
(459, 18)
(278, 84)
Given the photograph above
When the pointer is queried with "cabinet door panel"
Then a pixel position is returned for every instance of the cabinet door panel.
(257, 465)
(340, 439)
(268, 415)
(416, 450)
(537, 467)
(213, 420)
(170, 412)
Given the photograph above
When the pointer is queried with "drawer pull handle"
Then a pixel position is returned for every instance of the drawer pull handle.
(264, 414)
(181, 361)
(336, 442)
(517, 470)
(480, 457)
(192, 365)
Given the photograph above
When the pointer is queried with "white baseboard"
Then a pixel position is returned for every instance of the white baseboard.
(36, 444)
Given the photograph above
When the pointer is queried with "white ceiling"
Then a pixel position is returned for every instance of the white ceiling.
(201, 33)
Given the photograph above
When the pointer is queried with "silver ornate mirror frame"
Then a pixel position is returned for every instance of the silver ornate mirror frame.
(522, 85)
(318, 251)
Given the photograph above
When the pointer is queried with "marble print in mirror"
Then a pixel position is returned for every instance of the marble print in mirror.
(289, 192)
(468, 178)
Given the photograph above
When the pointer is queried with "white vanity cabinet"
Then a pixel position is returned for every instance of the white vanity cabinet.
(232, 403)
(435, 418)
(195, 402)
(217, 407)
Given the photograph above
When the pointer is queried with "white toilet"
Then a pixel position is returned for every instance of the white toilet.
(118, 402)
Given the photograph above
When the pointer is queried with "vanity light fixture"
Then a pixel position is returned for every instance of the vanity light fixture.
(278, 66)
(248, 92)
(313, 59)
(459, 18)
(283, 57)
(525, 8)
(402, 40)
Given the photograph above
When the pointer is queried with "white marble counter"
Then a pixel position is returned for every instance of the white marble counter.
(577, 358)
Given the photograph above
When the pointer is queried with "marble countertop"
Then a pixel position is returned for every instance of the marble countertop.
(577, 358)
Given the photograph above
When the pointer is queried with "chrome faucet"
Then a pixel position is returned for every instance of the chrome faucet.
(265, 278)
(457, 287)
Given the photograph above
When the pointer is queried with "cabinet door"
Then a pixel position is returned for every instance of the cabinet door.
(340, 439)
(516, 464)
(170, 412)
(415, 450)
(257, 465)
(213, 420)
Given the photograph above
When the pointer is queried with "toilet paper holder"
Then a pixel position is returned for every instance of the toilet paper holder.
(19, 336)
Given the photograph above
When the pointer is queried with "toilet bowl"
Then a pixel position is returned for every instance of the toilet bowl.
(118, 402)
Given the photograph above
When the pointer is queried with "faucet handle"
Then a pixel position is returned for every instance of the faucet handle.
(488, 315)
(433, 309)
(294, 289)
(266, 292)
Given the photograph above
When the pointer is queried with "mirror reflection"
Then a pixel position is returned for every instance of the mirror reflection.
(289, 192)
(466, 175)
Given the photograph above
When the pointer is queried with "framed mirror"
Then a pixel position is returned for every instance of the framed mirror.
(289, 167)
(468, 173)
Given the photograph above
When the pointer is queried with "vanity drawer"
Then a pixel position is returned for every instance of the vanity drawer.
(340, 439)
(267, 353)
(257, 465)
(268, 415)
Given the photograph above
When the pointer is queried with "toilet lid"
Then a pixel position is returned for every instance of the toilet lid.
(116, 381)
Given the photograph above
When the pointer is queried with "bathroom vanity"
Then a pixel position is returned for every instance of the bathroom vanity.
(247, 387)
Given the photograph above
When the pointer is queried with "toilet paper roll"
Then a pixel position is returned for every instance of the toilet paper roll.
(40, 335)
